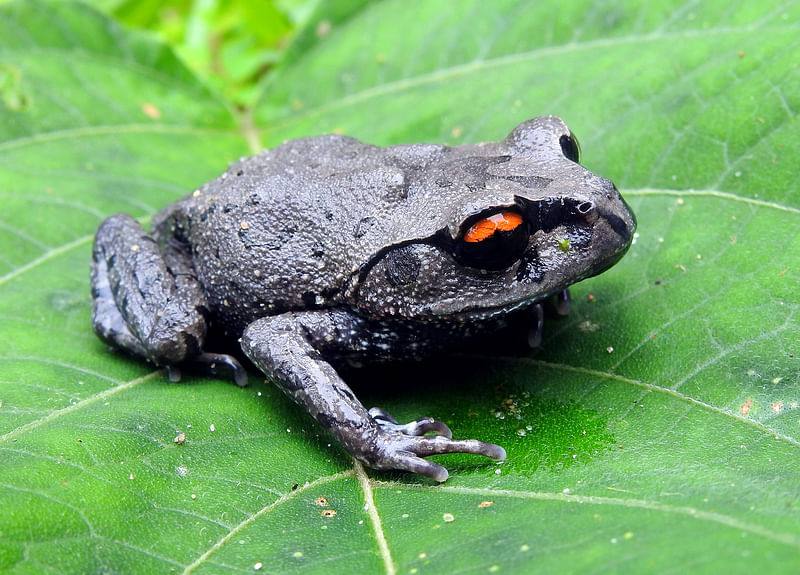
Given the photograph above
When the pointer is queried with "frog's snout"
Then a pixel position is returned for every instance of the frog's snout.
(622, 226)
(618, 215)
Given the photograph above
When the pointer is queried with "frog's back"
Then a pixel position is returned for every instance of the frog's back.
(290, 228)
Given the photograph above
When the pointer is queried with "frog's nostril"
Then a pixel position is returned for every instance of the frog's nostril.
(620, 226)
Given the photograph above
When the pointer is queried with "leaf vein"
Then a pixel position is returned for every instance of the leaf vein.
(263, 511)
(790, 539)
(479, 65)
(45, 257)
(110, 130)
(657, 389)
(375, 518)
(77, 406)
(713, 194)
(48, 497)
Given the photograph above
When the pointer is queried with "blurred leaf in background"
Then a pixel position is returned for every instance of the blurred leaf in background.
(230, 43)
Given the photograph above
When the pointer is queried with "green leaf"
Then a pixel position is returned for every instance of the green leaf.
(229, 43)
(657, 429)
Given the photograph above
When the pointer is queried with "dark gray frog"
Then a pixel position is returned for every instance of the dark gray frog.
(326, 251)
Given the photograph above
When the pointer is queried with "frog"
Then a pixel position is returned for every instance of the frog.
(326, 252)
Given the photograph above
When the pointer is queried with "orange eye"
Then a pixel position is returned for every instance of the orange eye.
(487, 227)
(494, 241)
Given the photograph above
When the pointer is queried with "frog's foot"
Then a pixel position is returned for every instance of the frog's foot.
(209, 363)
(403, 447)
(421, 426)
(537, 323)
(399, 451)
(563, 302)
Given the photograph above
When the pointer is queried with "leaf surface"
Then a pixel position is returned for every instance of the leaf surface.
(657, 429)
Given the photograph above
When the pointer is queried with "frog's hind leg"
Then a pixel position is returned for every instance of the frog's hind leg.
(148, 302)
(107, 320)
(290, 349)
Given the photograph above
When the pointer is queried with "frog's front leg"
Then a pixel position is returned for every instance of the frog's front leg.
(148, 302)
(289, 348)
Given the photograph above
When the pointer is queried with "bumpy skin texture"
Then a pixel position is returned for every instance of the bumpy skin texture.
(327, 250)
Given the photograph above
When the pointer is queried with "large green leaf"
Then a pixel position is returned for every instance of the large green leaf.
(656, 430)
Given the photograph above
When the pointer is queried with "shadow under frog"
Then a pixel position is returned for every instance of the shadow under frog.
(500, 396)
(327, 251)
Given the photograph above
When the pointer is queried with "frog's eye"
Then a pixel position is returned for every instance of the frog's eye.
(570, 147)
(494, 241)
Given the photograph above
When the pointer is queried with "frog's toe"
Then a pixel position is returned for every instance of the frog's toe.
(419, 427)
(537, 323)
(563, 302)
(408, 461)
(211, 362)
(438, 445)
(403, 446)
(405, 453)
(382, 416)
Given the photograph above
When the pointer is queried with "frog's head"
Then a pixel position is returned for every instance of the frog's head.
(517, 221)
